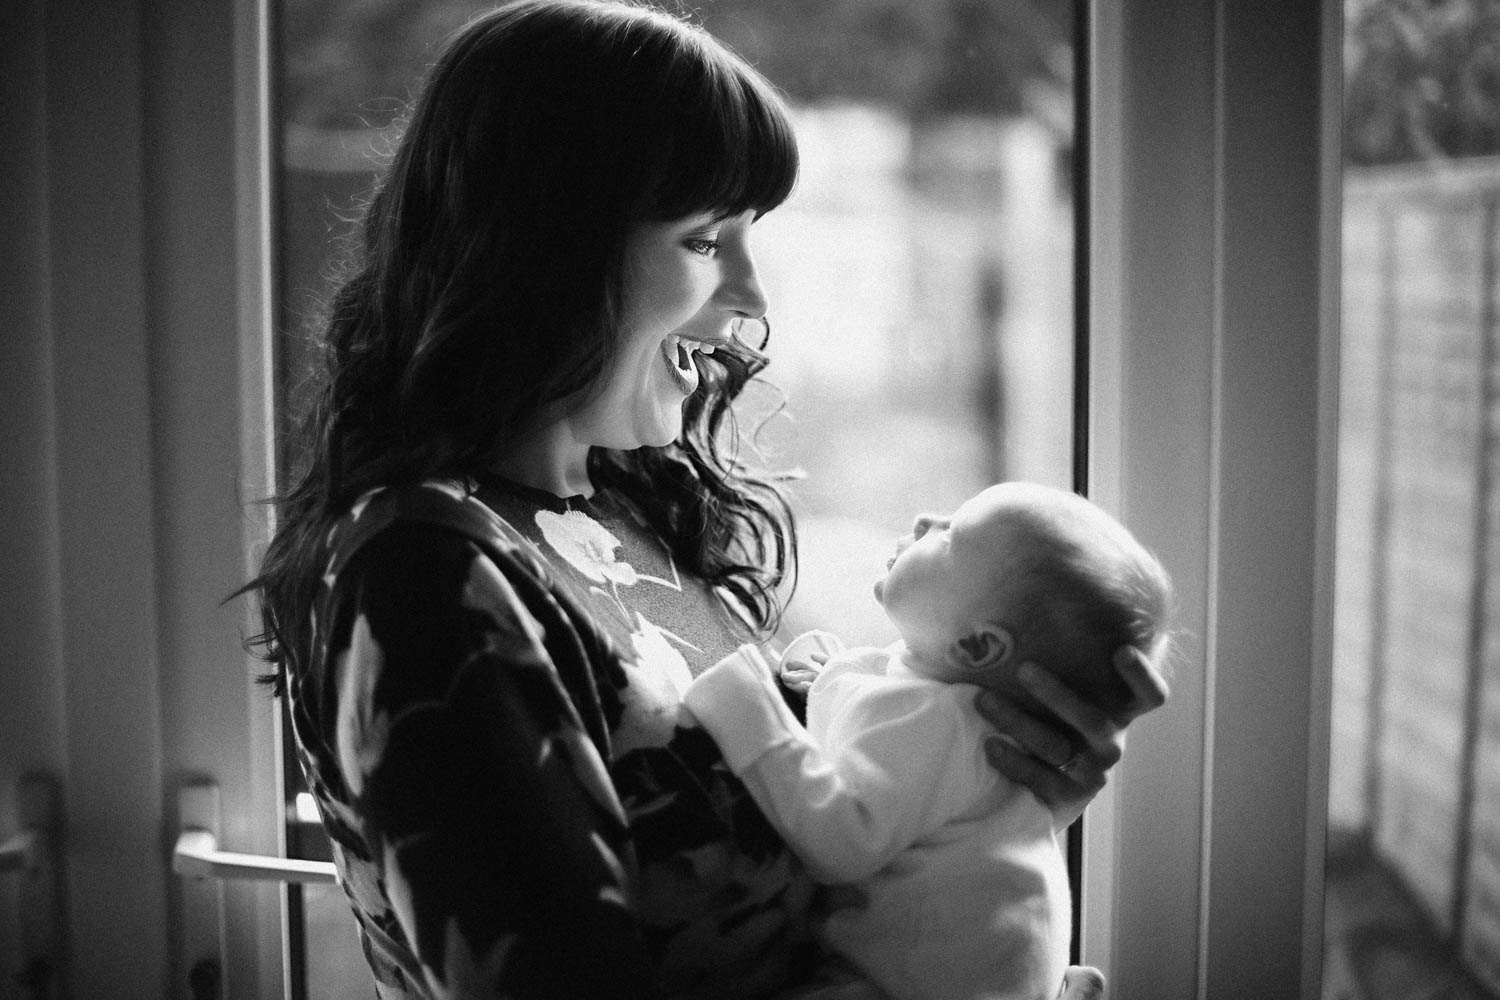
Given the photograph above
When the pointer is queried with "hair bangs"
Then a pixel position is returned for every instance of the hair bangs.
(731, 146)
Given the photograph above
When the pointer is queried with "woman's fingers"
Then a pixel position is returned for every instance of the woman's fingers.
(1102, 737)
(1019, 766)
(1148, 687)
(1039, 738)
(1065, 757)
(1065, 793)
(1082, 983)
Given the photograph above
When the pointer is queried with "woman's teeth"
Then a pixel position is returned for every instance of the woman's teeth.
(682, 351)
(678, 354)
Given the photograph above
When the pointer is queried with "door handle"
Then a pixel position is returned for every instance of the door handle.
(197, 854)
(33, 854)
(19, 851)
(204, 868)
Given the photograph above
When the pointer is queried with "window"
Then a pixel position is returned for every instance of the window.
(1414, 833)
(132, 408)
(920, 278)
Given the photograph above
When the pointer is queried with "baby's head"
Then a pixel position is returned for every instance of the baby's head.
(1026, 573)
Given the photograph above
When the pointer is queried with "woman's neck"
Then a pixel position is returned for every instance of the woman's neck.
(550, 459)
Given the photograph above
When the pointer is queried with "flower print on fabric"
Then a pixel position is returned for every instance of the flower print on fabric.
(588, 546)
(450, 488)
(652, 696)
(467, 974)
(362, 729)
(489, 718)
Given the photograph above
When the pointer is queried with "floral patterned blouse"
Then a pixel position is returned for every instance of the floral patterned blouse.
(489, 726)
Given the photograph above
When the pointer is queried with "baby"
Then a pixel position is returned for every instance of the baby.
(962, 881)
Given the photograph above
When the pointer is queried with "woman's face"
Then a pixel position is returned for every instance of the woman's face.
(685, 282)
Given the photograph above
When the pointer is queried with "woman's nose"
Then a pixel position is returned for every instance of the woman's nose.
(740, 290)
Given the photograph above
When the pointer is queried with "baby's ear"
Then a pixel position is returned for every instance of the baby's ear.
(986, 645)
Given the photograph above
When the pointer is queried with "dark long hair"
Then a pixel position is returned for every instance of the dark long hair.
(488, 279)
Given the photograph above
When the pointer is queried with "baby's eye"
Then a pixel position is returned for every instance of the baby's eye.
(702, 246)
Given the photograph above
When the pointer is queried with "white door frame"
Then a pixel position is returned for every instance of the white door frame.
(1214, 266)
(135, 409)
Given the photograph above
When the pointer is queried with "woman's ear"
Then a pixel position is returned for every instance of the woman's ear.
(986, 645)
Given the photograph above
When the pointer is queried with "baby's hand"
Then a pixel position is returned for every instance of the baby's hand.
(799, 676)
(803, 659)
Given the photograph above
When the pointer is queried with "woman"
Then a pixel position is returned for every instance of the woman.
(523, 528)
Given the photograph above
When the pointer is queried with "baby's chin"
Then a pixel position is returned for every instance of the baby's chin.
(879, 590)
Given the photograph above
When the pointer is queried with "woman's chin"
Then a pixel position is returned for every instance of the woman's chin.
(662, 432)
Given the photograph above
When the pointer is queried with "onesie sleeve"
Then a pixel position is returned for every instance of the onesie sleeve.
(852, 797)
(469, 776)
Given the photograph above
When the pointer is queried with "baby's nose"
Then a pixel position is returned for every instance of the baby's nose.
(925, 523)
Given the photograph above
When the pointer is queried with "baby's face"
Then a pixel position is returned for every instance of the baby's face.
(944, 574)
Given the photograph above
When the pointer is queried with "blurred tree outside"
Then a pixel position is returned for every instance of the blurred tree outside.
(923, 58)
(1421, 80)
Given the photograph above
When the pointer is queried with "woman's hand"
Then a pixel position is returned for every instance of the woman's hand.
(1066, 768)
(1082, 983)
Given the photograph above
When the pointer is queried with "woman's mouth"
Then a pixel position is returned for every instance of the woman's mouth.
(678, 354)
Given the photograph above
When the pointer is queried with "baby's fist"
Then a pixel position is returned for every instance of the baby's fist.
(804, 657)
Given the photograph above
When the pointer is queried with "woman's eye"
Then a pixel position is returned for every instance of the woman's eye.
(702, 247)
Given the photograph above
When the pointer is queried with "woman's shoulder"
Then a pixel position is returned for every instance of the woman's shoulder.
(421, 549)
(427, 552)
(435, 503)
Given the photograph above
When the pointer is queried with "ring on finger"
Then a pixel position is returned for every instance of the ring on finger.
(1067, 766)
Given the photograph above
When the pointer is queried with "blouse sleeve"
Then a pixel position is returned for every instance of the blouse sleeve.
(471, 778)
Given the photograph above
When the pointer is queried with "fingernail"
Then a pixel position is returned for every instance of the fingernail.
(1000, 745)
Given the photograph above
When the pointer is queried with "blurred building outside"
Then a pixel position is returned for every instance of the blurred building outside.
(920, 287)
(920, 281)
(928, 343)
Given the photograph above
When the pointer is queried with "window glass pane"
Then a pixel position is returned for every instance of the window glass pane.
(1413, 905)
(920, 278)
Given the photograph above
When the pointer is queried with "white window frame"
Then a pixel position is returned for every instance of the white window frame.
(1214, 296)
